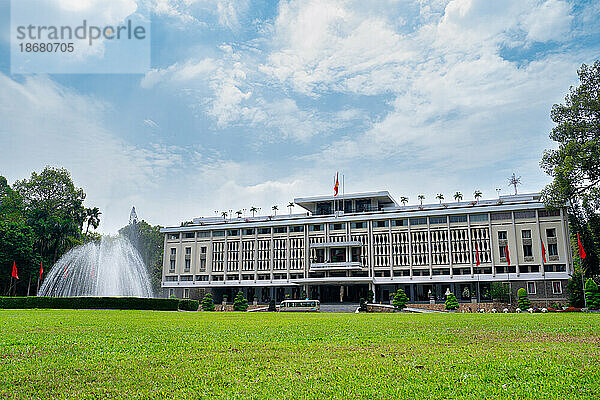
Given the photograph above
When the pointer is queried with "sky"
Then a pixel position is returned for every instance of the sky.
(253, 103)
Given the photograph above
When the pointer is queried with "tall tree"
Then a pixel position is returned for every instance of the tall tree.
(149, 242)
(575, 164)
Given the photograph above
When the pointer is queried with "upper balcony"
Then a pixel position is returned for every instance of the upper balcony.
(347, 203)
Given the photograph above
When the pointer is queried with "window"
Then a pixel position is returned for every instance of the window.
(551, 233)
(218, 233)
(501, 216)
(418, 221)
(358, 225)
(501, 235)
(527, 247)
(280, 229)
(478, 217)
(233, 232)
(502, 251)
(338, 255)
(188, 251)
(248, 232)
(363, 205)
(317, 228)
(530, 287)
(438, 220)
(458, 219)
(297, 228)
(202, 278)
(556, 287)
(549, 213)
(186, 293)
(380, 224)
(400, 222)
(171, 278)
(553, 249)
(171, 292)
(187, 265)
(203, 264)
(172, 266)
(173, 236)
(187, 278)
(323, 208)
(355, 254)
(205, 234)
(203, 250)
(189, 235)
(525, 214)
(173, 251)
(264, 231)
(337, 227)
(320, 256)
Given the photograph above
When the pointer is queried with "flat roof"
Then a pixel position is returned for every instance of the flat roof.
(383, 196)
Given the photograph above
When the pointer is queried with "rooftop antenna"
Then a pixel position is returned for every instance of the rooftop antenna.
(514, 181)
(133, 218)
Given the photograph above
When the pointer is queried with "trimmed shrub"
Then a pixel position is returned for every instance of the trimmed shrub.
(272, 306)
(523, 301)
(500, 292)
(400, 299)
(451, 302)
(239, 302)
(370, 296)
(363, 305)
(208, 303)
(91, 303)
(592, 298)
(189, 305)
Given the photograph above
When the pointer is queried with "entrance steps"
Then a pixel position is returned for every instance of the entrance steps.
(339, 308)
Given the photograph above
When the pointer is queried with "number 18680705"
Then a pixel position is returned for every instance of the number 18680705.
(46, 47)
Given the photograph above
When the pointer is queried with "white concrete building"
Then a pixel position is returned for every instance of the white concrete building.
(343, 246)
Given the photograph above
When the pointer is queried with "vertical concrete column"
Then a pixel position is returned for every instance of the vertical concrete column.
(492, 245)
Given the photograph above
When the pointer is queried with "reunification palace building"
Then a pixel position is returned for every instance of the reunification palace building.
(344, 246)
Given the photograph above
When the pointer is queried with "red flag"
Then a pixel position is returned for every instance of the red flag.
(581, 250)
(92, 271)
(478, 261)
(337, 185)
(543, 250)
(65, 271)
(507, 254)
(14, 271)
(41, 269)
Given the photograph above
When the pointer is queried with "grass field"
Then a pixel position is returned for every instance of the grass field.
(144, 354)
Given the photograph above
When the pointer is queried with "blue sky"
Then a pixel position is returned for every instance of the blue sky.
(253, 103)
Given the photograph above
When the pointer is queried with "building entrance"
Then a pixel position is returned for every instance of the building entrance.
(338, 293)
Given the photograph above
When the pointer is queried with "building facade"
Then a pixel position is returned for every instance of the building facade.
(344, 246)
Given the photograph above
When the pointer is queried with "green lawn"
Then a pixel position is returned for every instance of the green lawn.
(143, 354)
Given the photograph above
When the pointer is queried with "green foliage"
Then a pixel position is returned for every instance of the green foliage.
(500, 292)
(523, 301)
(363, 305)
(575, 164)
(239, 302)
(208, 303)
(370, 296)
(115, 303)
(592, 297)
(400, 299)
(451, 302)
(149, 242)
(575, 291)
(189, 305)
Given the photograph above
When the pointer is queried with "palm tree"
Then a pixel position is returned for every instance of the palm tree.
(93, 218)
(224, 214)
(458, 196)
(421, 198)
(404, 200)
(253, 210)
(275, 208)
(440, 197)
(477, 195)
(239, 213)
(290, 206)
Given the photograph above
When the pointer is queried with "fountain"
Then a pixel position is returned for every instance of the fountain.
(111, 267)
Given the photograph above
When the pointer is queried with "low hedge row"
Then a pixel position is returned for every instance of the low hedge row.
(112, 303)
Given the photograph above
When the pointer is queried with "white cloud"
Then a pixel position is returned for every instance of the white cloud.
(551, 20)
